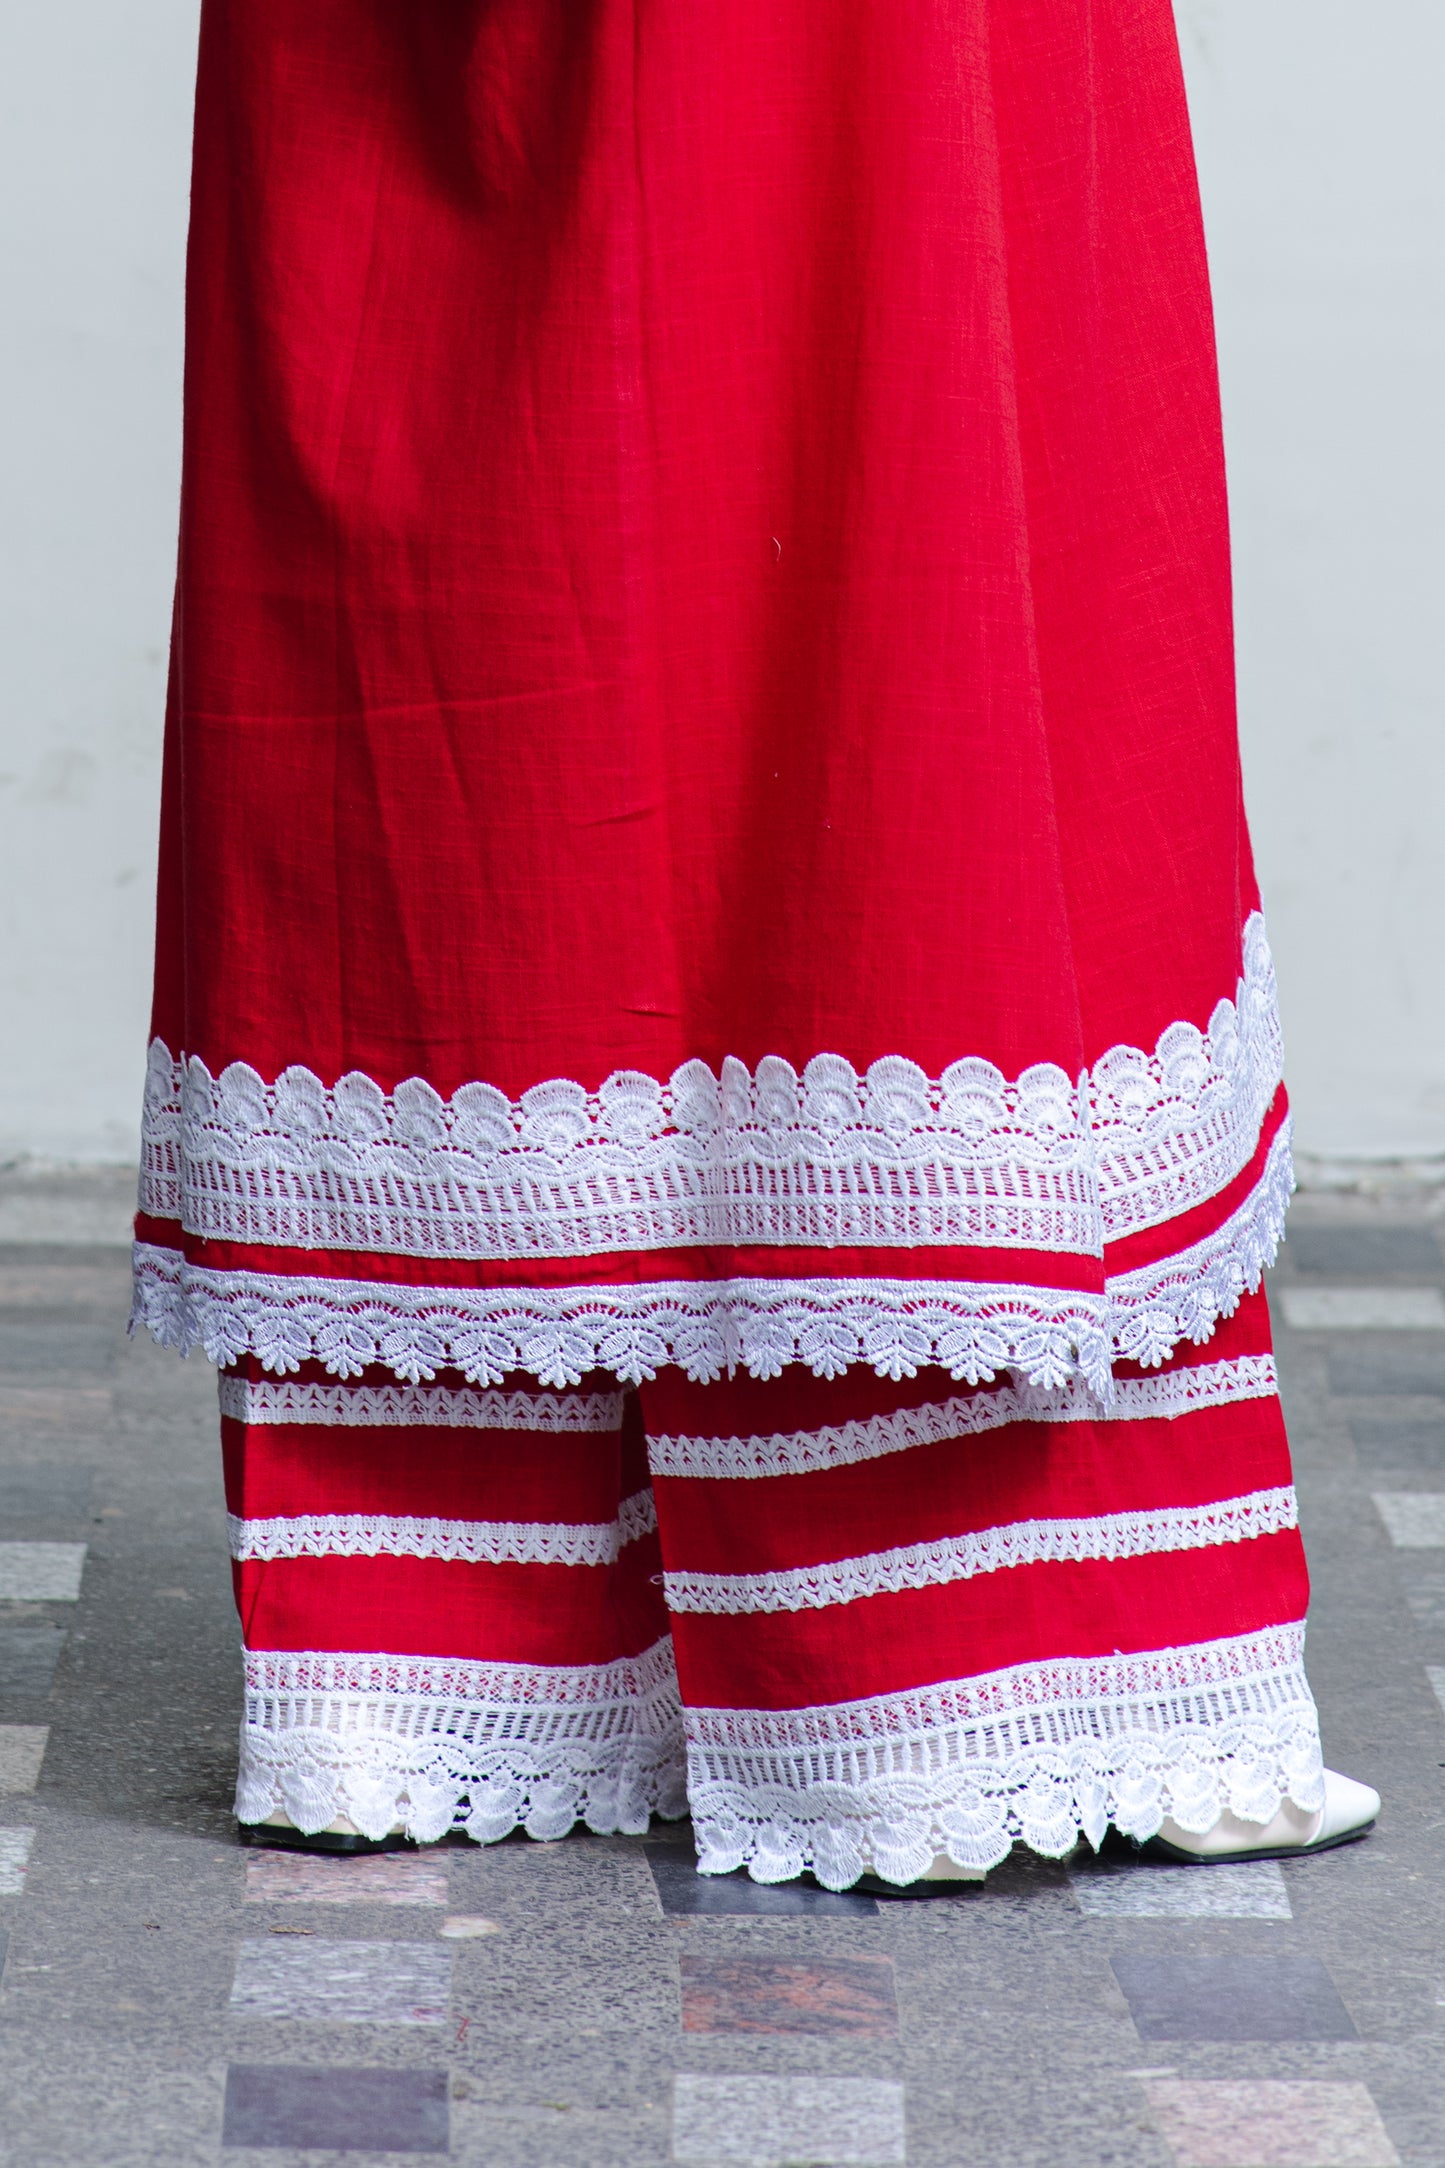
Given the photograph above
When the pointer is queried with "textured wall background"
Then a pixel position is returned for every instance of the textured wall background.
(1322, 162)
(1324, 182)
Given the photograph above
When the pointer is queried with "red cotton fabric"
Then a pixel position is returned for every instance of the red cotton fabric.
(730, 1597)
(716, 1084)
(701, 771)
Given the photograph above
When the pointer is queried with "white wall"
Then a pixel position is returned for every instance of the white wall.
(1322, 159)
(94, 149)
(1320, 149)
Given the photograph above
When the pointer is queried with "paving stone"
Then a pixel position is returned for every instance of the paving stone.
(41, 1348)
(1425, 1595)
(384, 1878)
(45, 1494)
(1414, 1520)
(1351, 1253)
(1232, 1998)
(77, 1410)
(28, 1656)
(41, 1572)
(723, 1992)
(766, 2122)
(685, 1894)
(1402, 1444)
(343, 1983)
(31, 1282)
(1363, 1309)
(1368, 1371)
(339, 2110)
(1270, 2123)
(15, 1845)
(1243, 1890)
(22, 1750)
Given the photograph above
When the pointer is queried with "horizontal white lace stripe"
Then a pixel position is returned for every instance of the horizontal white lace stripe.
(840, 1445)
(476, 1543)
(439, 1743)
(986, 1550)
(558, 1335)
(288, 1681)
(1041, 1752)
(409, 1407)
(830, 1158)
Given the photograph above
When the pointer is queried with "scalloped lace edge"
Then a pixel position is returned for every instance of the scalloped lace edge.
(1041, 1754)
(826, 1158)
(558, 1335)
(437, 1744)
(1038, 1754)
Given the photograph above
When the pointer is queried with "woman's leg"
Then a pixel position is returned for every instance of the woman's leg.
(916, 1619)
(450, 1608)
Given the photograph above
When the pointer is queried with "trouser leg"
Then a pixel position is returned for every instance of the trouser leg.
(449, 1604)
(914, 1619)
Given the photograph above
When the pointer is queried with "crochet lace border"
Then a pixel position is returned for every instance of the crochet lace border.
(1042, 1753)
(1038, 1753)
(1135, 1534)
(842, 1445)
(264, 1401)
(559, 1335)
(438, 1744)
(824, 1159)
(475, 1543)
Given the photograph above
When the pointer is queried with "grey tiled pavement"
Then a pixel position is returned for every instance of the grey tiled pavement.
(168, 1998)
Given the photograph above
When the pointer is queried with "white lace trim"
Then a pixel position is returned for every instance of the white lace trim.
(842, 1445)
(826, 1159)
(1183, 1296)
(410, 1407)
(1038, 1752)
(437, 1743)
(475, 1543)
(985, 1550)
(559, 1335)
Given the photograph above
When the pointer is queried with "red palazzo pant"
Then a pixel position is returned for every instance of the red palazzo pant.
(849, 1623)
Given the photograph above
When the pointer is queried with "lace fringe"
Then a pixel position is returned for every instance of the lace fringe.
(829, 1158)
(559, 1335)
(483, 1748)
(1042, 1755)
(1039, 1754)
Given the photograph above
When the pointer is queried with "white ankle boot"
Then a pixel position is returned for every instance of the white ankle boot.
(935, 1881)
(1349, 1811)
(342, 1835)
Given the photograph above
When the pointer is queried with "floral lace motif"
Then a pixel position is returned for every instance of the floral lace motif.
(559, 1335)
(411, 1407)
(1183, 1296)
(1041, 1753)
(842, 1445)
(826, 1159)
(476, 1543)
(985, 1550)
(438, 1744)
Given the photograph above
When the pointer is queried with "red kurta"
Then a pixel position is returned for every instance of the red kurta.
(703, 817)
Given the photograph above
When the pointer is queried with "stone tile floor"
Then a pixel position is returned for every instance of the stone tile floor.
(167, 1998)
